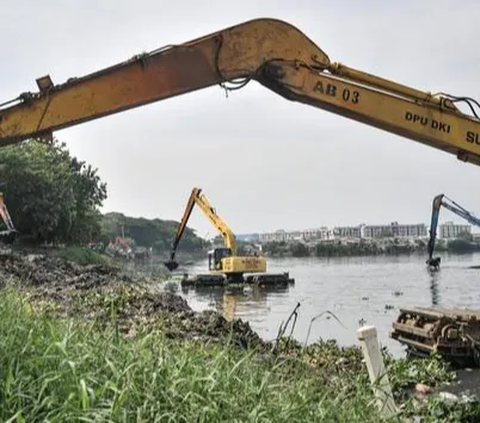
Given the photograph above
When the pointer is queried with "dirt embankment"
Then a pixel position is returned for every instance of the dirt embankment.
(96, 293)
(99, 291)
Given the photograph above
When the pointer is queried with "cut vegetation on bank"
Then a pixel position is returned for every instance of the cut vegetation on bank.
(94, 343)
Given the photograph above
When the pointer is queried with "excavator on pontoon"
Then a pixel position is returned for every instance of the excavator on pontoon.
(224, 263)
(439, 201)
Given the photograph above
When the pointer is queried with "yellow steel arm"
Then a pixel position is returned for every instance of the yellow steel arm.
(236, 52)
(420, 116)
(196, 197)
(6, 215)
(272, 52)
(216, 220)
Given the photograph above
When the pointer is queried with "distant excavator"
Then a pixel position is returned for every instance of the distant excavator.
(225, 265)
(439, 201)
(8, 235)
(450, 332)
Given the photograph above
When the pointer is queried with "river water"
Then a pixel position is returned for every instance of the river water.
(354, 290)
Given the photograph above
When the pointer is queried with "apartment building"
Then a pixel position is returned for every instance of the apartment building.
(452, 230)
(280, 235)
(304, 235)
(322, 233)
(395, 229)
(348, 231)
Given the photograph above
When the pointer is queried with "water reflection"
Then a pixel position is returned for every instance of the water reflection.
(356, 290)
(434, 287)
(236, 301)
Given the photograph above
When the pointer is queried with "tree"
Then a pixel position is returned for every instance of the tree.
(155, 233)
(298, 249)
(465, 235)
(52, 196)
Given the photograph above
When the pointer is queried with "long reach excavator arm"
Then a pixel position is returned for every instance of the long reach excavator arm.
(269, 51)
(439, 201)
(8, 235)
(196, 197)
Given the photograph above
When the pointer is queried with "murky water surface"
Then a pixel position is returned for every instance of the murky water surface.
(368, 290)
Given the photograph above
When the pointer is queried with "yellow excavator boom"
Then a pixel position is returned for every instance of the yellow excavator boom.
(8, 235)
(227, 261)
(227, 234)
(273, 53)
(196, 197)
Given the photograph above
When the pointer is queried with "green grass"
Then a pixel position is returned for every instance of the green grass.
(69, 370)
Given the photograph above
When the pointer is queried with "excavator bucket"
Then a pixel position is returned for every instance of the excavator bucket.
(434, 262)
(171, 265)
(8, 237)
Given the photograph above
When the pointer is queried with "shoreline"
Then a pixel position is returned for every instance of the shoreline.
(119, 329)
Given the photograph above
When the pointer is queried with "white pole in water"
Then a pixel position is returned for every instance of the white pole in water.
(367, 335)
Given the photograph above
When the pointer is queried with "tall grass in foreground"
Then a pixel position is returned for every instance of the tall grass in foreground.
(72, 371)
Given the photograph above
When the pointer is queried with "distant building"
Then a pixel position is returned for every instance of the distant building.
(348, 231)
(452, 230)
(322, 233)
(277, 236)
(305, 235)
(395, 230)
(248, 237)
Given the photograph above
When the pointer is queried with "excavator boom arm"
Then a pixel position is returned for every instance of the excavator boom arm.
(227, 55)
(443, 201)
(436, 204)
(272, 52)
(6, 215)
(184, 221)
(433, 121)
(218, 222)
(196, 197)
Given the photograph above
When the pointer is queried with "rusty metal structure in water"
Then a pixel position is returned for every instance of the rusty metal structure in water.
(452, 333)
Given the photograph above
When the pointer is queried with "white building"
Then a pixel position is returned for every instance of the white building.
(452, 230)
(280, 235)
(395, 229)
(322, 233)
(348, 231)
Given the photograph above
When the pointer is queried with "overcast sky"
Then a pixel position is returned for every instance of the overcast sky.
(264, 162)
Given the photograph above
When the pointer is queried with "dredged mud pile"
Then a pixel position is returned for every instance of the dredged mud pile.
(99, 291)
(47, 271)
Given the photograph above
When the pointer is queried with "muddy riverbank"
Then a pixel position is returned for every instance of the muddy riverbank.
(98, 291)
(112, 298)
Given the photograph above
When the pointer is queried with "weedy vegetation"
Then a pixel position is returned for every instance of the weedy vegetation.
(71, 368)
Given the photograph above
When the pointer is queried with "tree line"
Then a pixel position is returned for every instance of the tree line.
(54, 198)
(462, 244)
